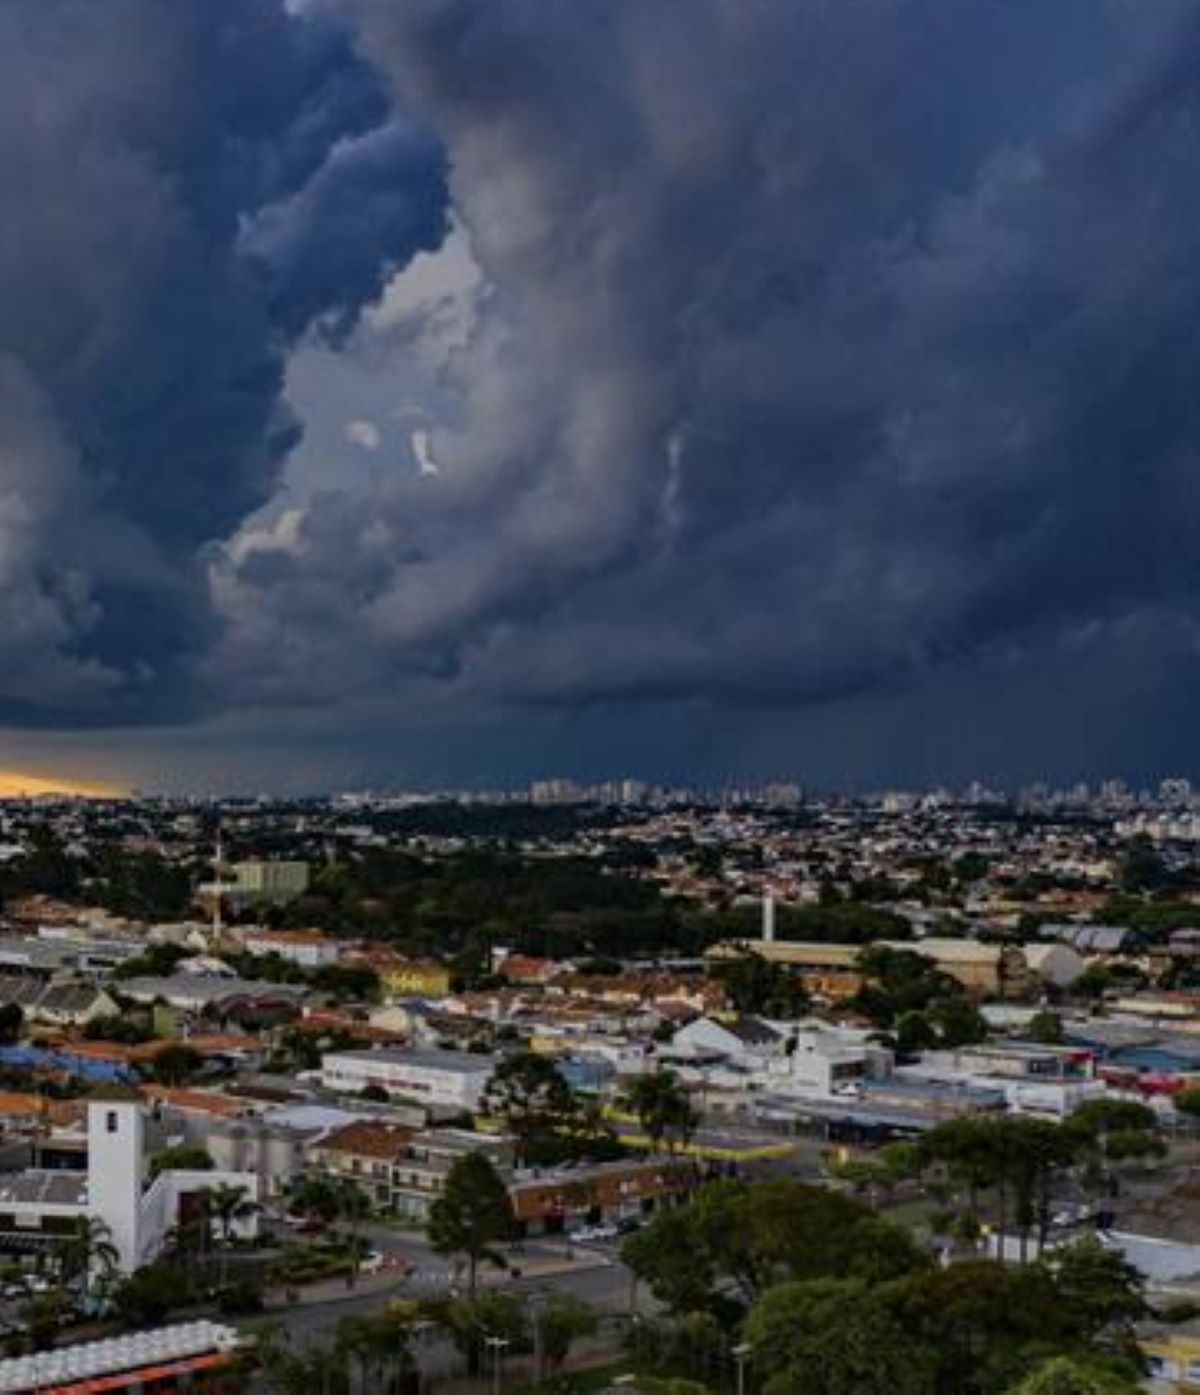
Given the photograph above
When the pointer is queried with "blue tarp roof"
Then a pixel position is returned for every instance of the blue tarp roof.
(42, 1058)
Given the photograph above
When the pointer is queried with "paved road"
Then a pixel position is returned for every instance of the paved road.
(594, 1274)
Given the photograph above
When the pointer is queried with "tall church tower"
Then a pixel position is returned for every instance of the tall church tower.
(117, 1169)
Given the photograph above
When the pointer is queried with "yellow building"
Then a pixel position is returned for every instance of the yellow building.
(414, 978)
(1173, 1360)
(832, 969)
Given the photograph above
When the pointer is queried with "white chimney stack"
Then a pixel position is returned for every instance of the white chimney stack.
(768, 918)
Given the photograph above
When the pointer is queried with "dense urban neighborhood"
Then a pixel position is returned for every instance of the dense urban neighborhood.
(603, 1085)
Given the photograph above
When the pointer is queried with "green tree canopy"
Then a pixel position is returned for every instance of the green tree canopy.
(176, 1064)
(529, 1093)
(756, 985)
(737, 1239)
(472, 1216)
(183, 1157)
(662, 1106)
(835, 1337)
(1067, 1375)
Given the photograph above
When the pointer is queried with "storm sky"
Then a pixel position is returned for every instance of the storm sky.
(457, 391)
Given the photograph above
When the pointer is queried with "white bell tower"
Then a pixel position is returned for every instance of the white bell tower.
(116, 1172)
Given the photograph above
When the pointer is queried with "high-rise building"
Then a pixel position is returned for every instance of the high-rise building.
(1175, 792)
(784, 795)
(554, 791)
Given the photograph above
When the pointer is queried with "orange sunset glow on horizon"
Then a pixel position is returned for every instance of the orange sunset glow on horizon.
(20, 784)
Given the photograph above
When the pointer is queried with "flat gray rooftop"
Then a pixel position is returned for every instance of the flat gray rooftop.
(43, 1189)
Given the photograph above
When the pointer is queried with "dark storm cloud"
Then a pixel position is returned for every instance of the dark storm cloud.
(819, 343)
(167, 171)
(815, 346)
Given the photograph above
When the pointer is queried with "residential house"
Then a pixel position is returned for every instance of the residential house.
(72, 1003)
(365, 1152)
(308, 949)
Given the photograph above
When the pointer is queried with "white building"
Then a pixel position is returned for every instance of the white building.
(789, 1058)
(1035, 1079)
(452, 1079)
(39, 1208)
(307, 948)
(1055, 963)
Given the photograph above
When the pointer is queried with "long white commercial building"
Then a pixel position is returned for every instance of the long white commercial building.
(450, 1079)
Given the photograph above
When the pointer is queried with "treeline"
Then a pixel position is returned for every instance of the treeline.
(820, 1294)
(472, 902)
(837, 922)
(140, 885)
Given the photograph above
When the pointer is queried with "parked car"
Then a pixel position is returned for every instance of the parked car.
(595, 1232)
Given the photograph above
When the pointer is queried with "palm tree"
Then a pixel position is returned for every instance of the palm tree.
(87, 1254)
(228, 1205)
(354, 1206)
(662, 1107)
(589, 1126)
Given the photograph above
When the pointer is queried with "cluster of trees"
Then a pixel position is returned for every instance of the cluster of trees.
(549, 1122)
(376, 1354)
(461, 905)
(831, 1299)
(297, 1049)
(141, 885)
(758, 986)
(663, 1109)
(851, 922)
(1018, 1163)
(218, 1212)
(906, 995)
(332, 1201)
(369, 1355)
(471, 1222)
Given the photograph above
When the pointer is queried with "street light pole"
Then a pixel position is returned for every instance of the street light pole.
(535, 1300)
(497, 1345)
(740, 1353)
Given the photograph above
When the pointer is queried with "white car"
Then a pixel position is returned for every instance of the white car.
(595, 1232)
